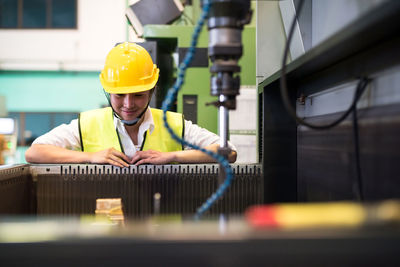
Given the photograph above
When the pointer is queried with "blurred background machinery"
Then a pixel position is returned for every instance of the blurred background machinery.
(8, 140)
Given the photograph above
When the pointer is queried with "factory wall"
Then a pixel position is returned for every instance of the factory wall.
(57, 70)
(100, 24)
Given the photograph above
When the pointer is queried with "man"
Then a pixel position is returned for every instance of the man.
(127, 132)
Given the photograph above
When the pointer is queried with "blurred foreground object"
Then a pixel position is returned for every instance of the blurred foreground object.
(319, 215)
(110, 208)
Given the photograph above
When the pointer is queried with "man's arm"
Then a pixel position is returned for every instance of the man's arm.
(40, 153)
(185, 156)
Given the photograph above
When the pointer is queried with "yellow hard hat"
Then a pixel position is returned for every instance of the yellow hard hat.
(128, 69)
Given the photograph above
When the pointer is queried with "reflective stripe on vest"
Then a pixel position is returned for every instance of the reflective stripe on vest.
(97, 131)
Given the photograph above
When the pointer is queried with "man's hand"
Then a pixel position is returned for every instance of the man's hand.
(110, 156)
(152, 157)
(41, 153)
(185, 156)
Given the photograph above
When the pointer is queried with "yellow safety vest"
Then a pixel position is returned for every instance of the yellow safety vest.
(97, 131)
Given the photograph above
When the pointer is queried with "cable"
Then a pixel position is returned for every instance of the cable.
(171, 95)
(358, 183)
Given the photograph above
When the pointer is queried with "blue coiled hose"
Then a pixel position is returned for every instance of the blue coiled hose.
(173, 91)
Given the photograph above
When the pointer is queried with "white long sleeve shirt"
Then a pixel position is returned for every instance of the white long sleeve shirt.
(67, 135)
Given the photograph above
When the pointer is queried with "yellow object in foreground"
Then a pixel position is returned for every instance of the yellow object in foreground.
(344, 214)
(331, 214)
(110, 208)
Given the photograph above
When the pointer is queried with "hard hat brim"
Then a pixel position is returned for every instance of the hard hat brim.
(110, 88)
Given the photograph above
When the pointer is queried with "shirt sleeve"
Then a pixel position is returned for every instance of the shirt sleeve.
(201, 137)
(65, 136)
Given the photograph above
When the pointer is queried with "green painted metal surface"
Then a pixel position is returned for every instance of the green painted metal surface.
(182, 33)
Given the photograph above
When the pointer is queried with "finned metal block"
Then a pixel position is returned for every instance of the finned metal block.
(73, 189)
(17, 170)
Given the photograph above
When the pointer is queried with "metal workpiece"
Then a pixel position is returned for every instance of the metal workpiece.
(16, 190)
(7, 171)
(183, 188)
(71, 189)
(76, 169)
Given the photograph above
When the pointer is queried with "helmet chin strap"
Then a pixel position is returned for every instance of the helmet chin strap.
(126, 122)
(131, 122)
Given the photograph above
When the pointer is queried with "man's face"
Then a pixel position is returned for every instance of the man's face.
(130, 106)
